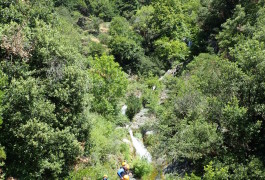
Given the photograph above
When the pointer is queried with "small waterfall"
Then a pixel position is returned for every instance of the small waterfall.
(123, 109)
(140, 149)
(138, 145)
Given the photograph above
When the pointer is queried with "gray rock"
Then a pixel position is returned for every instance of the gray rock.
(140, 119)
(149, 133)
(126, 141)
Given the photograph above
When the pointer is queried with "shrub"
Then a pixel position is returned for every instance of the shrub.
(134, 106)
(119, 120)
(141, 167)
(150, 140)
(104, 38)
(125, 150)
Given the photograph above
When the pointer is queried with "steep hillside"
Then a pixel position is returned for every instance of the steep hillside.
(190, 72)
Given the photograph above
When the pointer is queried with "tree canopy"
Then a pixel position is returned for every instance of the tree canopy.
(195, 67)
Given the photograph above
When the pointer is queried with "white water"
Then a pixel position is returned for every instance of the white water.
(138, 145)
(140, 149)
(123, 109)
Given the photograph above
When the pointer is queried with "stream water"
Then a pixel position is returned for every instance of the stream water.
(137, 144)
(140, 148)
(123, 109)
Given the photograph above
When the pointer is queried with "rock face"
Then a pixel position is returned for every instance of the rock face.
(149, 133)
(163, 96)
(126, 141)
(104, 27)
(142, 118)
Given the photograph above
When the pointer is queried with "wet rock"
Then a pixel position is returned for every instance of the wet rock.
(140, 119)
(126, 141)
(149, 133)
(118, 128)
(160, 161)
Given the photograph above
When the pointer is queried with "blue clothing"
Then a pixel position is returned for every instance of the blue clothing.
(121, 172)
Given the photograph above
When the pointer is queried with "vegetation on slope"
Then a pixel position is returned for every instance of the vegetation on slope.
(65, 66)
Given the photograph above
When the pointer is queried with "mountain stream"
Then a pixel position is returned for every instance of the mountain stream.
(137, 144)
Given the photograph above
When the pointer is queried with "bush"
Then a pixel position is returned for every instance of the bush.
(134, 106)
(94, 24)
(96, 172)
(104, 38)
(109, 84)
(105, 9)
(151, 91)
(105, 151)
(141, 168)
(138, 135)
(125, 150)
(215, 173)
(95, 48)
(119, 120)
(150, 140)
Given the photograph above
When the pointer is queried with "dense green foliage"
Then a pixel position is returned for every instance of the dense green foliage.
(213, 118)
(210, 119)
(53, 87)
(108, 84)
(134, 106)
(105, 152)
(66, 66)
(2, 152)
(141, 168)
